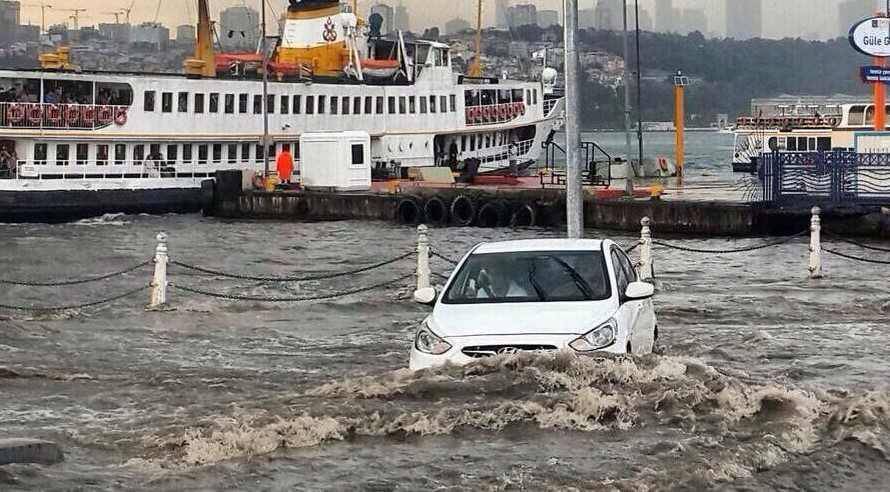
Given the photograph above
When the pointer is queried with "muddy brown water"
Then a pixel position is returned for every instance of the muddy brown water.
(765, 379)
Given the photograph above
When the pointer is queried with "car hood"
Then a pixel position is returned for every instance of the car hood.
(545, 318)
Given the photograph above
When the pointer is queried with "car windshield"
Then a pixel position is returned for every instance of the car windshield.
(532, 276)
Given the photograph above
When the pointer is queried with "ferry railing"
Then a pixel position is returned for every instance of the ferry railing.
(489, 114)
(597, 164)
(832, 177)
(61, 116)
(115, 169)
(500, 153)
(549, 106)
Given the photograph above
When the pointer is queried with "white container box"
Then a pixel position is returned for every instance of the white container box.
(338, 161)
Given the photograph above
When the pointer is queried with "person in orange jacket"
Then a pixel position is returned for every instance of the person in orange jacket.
(285, 164)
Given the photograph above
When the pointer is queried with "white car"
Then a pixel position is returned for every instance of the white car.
(537, 295)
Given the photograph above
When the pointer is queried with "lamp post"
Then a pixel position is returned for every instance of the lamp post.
(574, 199)
(628, 183)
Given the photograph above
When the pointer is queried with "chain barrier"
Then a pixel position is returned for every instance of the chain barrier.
(64, 283)
(336, 295)
(436, 254)
(310, 278)
(731, 251)
(854, 258)
(75, 306)
(855, 243)
(440, 276)
(632, 248)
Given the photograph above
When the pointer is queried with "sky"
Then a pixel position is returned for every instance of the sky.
(808, 18)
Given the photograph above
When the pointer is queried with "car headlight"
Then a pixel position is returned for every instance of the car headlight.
(599, 338)
(429, 343)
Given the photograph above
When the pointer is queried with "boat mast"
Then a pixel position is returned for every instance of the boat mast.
(476, 67)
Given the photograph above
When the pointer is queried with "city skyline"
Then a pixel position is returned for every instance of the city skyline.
(779, 19)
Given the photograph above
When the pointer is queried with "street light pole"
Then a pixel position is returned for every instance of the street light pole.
(574, 199)
(265, 91)
(639, 87)
(628, 183)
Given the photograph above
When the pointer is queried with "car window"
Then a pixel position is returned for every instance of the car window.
(535, 276)
(629, 271)
(621, 278)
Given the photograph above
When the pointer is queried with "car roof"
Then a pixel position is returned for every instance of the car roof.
(539, 245)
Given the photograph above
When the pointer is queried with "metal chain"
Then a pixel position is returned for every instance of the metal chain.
(77, 306)
(336, 295)
(855, 258)
(63, 283)
(436, 254)
(730, 251)
(440, 276)
(632, 248)
(309, 278)
(856, 243)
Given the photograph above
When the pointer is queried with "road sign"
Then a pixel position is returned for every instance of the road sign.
(875, 74)
(872, 37)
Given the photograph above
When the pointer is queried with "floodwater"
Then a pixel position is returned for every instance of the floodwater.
(764, 379)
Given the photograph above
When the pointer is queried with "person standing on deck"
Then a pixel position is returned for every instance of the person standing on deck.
(513, 152)
(285, 164)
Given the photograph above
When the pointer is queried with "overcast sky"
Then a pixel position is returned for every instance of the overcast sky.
(781, 17)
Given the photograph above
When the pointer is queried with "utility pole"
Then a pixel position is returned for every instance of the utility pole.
(628, 183)
(639, 86)
(265, 92)
(476, 67)
(574, 198)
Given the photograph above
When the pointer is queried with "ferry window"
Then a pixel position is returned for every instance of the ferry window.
(114, 94)
(40, 153)
(259, 152)
(148, 103)
(298, 104)
(368, 104)
(422, 105)
(295, 149)
(120, 154)
(403, 106)
(245, 152)
(242, 103)
(535, 96)
(83, 153)
(392, 104)
(183, 102)
(334, 101)
(463, 143)
(257, 104)
(167, 102)
(870, 116)
(517, 95)
(214, 102)
(345, 106)
(233, 153)
(443, 106)
(358, 155)
(62, 151)
(217, 153)
(310, 104)
(271, 152)
(802, 143)
(199, 103)
(270, 103)
(102, 155)
(812, 143)
(229, 103)
(187, 153)
(432, 104)
(773, 144)
(792, 144)
(321, 104)
(202, 154)
(154, 150)
(285, 105)
(412, 104)
(172, 153)
(356, 105)
(453, 103)
(528, 95)
(823, 144)
(472, 143)
(138, 153)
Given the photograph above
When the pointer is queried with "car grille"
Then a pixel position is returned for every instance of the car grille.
(478, 351)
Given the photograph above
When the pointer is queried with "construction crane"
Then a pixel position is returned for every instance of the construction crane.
(117, 15)
(128, 10)
(75, 16)
(476, 67)
(43, 8)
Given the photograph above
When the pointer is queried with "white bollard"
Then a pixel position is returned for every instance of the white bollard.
(423, 257)
(816, 244)
(159, 283)
(646, 270)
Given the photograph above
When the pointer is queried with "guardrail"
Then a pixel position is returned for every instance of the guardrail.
(489, 114)
(118, 169)
(61, 116)
(835, 177)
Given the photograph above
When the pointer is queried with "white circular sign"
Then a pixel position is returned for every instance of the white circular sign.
(872, 36)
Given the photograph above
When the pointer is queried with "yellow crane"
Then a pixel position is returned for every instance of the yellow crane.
(475, 69)
(203, 63)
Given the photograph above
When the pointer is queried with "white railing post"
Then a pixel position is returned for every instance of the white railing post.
(816, 244)
(159, 282)
(646, 270)
(423, 257)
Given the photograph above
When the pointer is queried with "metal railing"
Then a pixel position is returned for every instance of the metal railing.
(597, 163)
(489, 114)
(500, 153)
(118, 169)
(61, 116)
(549, 106)
(837, 177)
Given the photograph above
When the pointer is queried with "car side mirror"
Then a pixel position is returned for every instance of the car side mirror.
(427, 296)
(638, 291)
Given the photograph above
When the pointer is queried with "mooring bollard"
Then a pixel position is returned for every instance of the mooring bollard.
(159, 283)
(816, 244)
(646, 270)
(423, 257)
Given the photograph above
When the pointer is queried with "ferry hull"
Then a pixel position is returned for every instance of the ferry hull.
(69, 205)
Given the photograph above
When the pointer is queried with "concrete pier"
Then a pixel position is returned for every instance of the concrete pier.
(29, 451)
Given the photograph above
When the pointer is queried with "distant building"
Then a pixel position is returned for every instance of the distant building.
(744, 19)
(608, 15)
(850, 12)
(401, 21)
(150, 35)
(57, 33)
(586, 18)
(692, 20)
(501, 14)
(664, 16)
(119, 33)
(28, 34)
(457, 25)
(646, 23)
(388, 15)
(239, 28)
(523, 15)
(547, 18)
(186, 34)
(10, 18)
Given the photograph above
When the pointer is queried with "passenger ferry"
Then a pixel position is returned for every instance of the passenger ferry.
(813, 132)
(76, 143)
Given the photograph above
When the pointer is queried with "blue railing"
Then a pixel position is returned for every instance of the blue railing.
(835, 177)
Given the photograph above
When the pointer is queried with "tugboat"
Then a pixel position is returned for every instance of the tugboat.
(75, 143)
